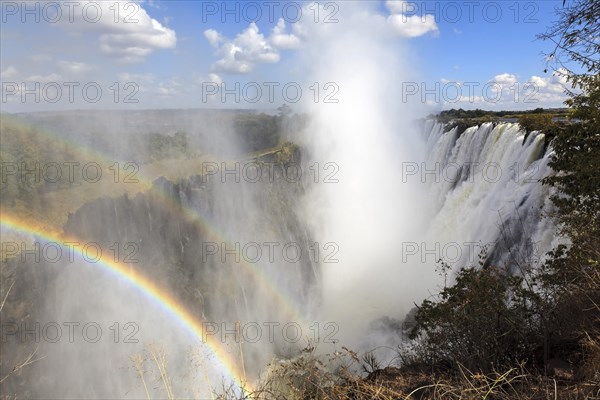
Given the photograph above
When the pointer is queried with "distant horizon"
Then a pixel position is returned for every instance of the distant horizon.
(255, 110)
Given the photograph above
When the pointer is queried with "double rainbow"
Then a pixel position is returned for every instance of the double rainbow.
(229, 366)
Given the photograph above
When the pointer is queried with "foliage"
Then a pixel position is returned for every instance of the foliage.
(536, 122)
(448, 115)
(484, 321)
(490, 319)
(576, 49)
(257, 131)
(162, 146)
(27, 157)
(573, 272)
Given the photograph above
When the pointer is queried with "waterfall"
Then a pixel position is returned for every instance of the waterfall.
(485, 190)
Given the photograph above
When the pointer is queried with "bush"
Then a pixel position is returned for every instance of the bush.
(484, 322)
(161, 146)
(257, 131)
(24, 156)
(537, 122)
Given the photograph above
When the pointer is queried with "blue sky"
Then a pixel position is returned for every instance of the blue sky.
(173, 50)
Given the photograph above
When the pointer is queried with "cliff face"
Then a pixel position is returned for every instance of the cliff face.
(189, 235)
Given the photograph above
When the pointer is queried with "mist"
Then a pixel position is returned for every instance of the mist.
(351, 204)
(372, 209)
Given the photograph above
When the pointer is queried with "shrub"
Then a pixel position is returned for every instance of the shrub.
(536, 122)
(484, 321)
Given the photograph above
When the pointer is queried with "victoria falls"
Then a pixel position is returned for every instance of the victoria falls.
(300, 200)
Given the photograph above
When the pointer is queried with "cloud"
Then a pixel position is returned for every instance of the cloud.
(9, 73)
(507, 91)
(282, 40)
(149, 84)
(74, 67)
(249, 48)
(504, 79)
(135, 46)
(214, 78)
(129, 38)
(409, 25)
(557, 83)
(170, 88)
(213, 37)
(154, 4)
(414, 25)
(40, 58)
(396, 6)
(199, 80)
(43, 79)
(144, 81)
(552, 88)
(240, 55)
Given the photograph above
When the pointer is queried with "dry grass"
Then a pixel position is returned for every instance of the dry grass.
(330, 377)
(30, 359)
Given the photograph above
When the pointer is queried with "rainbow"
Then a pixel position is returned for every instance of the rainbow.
(229, 366)
(269, 286)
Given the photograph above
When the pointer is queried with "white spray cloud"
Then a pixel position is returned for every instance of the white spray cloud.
(368, 134)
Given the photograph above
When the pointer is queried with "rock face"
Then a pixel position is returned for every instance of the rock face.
(172, 231)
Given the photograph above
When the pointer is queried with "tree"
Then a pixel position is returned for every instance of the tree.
(284, 111)
(536, 122)
(577, 148)
(576, 48)
(572, 274)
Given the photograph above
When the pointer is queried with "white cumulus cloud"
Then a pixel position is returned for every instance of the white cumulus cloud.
(9, 73)
(412, 26)
(240, 55)
(281, 39)
(129, 35)
(409, 25)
